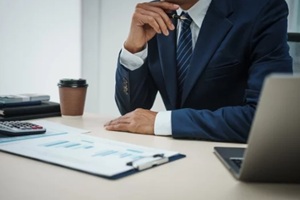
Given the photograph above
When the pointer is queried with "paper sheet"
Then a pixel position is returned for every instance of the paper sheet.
(83, 152)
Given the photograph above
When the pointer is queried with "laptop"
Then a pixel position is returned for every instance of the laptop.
(273, 151)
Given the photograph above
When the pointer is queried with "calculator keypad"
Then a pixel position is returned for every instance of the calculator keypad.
(16, 128)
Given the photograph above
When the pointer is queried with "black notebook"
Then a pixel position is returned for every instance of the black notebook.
(17, 104)
(30, 116)
(43, 108)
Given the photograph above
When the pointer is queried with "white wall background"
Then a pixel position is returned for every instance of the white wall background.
(42, 41)
(294, 26)
(294, 16)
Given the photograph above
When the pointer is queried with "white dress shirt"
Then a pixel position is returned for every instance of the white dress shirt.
(162, 125)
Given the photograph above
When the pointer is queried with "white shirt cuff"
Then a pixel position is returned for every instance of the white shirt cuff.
(133, 61)
(162, 124)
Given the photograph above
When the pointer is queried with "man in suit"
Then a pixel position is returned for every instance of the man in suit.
(234, 45)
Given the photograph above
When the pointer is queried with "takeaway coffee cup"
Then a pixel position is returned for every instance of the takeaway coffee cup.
(72, 94)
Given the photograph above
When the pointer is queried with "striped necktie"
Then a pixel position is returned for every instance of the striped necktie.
(184, 52)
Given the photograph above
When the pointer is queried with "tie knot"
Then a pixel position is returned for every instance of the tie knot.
(186, 22)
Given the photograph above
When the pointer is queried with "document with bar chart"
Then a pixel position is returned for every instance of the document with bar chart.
(93, 155)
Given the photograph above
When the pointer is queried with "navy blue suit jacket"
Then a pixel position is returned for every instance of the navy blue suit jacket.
(239, 44)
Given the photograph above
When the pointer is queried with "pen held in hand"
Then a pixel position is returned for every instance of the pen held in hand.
(175, 16)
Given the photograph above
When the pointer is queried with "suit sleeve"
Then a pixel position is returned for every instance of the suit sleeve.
(134, 89)
(268, 54)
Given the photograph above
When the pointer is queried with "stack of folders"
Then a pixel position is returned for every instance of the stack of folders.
(27, 106)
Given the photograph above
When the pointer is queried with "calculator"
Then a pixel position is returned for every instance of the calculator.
(20, 128)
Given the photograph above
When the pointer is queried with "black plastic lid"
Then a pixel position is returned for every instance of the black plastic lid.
(74, 83)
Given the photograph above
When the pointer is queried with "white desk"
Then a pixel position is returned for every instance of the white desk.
(198, 176)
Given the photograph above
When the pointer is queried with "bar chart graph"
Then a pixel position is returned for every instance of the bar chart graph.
(93, 150)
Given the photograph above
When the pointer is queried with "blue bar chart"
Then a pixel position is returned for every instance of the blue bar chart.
(93, 151)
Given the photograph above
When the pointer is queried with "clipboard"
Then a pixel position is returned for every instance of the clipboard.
(93, 155)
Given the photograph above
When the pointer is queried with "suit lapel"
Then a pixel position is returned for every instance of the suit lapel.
(214, 28)
(167, 54)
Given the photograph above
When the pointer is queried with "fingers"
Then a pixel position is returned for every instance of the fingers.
(117, 127)
(120, 120)
(138, 121)
(148, 20)
(154, 15)
(119, 124)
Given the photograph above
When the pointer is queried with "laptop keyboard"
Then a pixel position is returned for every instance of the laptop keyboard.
(237, 161)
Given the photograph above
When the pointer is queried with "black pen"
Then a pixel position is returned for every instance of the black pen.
(175, 16)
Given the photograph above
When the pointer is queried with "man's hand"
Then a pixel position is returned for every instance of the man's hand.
(147, 20)
(138, 121)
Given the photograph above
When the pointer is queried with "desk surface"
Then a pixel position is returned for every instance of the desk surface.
(198, 176)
